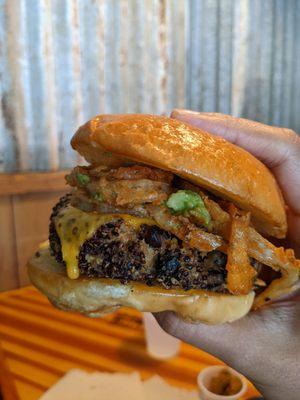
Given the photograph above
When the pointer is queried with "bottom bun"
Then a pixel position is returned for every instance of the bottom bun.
(94, 297)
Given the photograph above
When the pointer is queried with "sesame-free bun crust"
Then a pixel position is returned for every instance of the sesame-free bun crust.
(94, 297)
(199, 157)
(93, 152)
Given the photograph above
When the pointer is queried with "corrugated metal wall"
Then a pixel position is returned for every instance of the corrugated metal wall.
(63, 61)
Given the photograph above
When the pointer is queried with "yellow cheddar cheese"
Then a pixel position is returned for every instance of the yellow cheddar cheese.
(74, 227)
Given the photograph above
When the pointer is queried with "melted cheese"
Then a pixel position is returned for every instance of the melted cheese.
(74, 227)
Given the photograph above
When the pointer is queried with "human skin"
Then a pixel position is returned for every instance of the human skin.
(264, 345)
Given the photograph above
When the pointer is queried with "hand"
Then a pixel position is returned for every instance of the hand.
(264, 345)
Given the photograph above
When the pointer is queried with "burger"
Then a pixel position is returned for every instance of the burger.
(165, 217)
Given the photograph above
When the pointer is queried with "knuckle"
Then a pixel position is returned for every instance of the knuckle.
(292, 138)
(291, 135)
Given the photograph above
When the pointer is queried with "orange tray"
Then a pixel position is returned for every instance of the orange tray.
(39, 343)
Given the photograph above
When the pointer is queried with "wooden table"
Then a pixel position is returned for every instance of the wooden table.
(40, 343)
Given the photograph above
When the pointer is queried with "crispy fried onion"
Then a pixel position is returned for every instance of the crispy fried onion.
(189, 233)
(124, 173)
(240, 273)
(280, 260)
(80, 199)
(258, 247)
(261, 250)
(130, 192)
(140, 172)
(124, 186)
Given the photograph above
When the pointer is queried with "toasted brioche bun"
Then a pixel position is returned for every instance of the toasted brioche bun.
(94, 297)
(199, 157)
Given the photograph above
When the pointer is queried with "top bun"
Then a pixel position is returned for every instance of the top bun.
(206, 160)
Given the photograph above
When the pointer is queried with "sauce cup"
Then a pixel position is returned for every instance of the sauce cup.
(204, 379)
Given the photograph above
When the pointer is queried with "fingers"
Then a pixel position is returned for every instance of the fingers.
(223, 341)
(240, 344)
(278, 148)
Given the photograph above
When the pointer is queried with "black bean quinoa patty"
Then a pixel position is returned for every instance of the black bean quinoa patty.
(150, 255)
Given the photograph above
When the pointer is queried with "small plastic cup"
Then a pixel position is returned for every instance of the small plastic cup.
(160, 345)
(208, 373)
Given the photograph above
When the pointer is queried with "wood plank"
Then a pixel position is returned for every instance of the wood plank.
(32, 182)
(8, 260)
(40, 358)
(7, 384)
(27, 391)
(87, 359)
(31, 217)
(53, 316)
(32, 374)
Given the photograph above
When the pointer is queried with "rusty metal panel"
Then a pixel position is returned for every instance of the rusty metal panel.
(63, 61)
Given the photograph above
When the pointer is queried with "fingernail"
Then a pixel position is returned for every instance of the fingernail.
(177, 113)
(189, 114)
